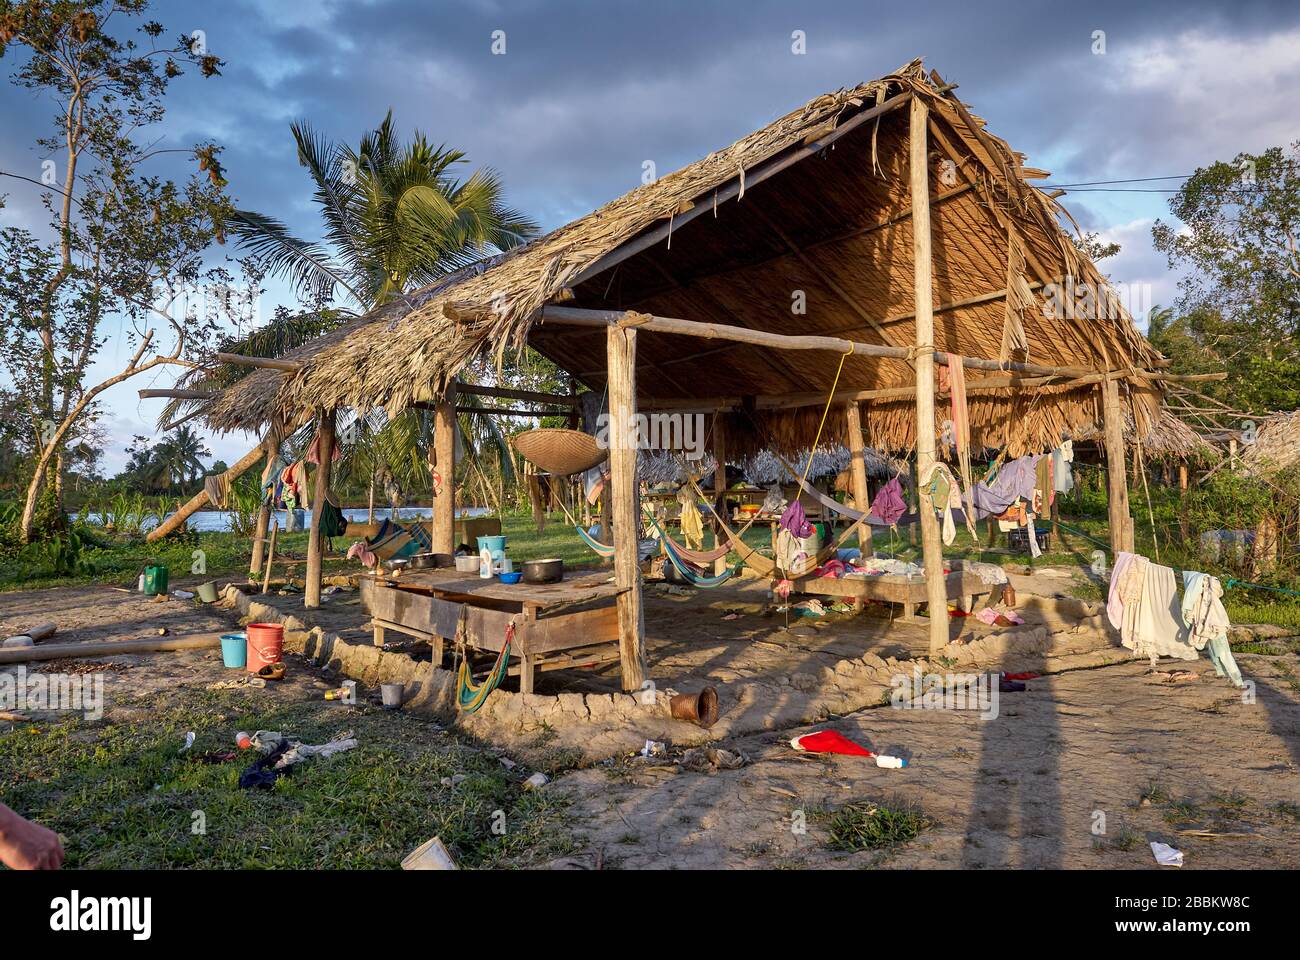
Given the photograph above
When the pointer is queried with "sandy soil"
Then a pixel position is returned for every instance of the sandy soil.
(1022, 790)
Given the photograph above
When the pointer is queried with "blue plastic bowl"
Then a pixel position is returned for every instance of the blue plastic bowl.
(513, 577)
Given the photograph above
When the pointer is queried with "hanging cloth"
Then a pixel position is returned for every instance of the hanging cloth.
(692, 522)
(1145, 597)
(939, 486)
(955, 375)
(1062, 476)
(795, 522)
(1207, 622)
(888, 505)
(313, 452)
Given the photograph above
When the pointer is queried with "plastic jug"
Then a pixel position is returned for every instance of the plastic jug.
(155, 579)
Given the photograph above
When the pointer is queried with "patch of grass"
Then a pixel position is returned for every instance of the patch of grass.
(1182, 811)
(1126, 839)
(123, 798)
(1288, 808)
(1153, 794)
(865, 825)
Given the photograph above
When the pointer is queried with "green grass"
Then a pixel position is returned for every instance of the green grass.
(864, 825)
(122, 797)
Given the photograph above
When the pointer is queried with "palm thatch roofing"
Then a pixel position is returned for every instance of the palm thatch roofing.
(1169, 440)
(1276, 446)
(831, 225)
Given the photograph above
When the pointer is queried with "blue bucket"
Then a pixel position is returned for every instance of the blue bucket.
(234, 650)
(495, 544)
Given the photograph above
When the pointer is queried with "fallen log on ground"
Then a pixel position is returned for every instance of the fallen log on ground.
(111, 648)
(200, 499)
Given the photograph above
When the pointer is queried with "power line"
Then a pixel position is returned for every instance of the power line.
(1098, 183)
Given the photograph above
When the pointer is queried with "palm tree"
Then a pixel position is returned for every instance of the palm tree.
(395, 217)
(178, 459)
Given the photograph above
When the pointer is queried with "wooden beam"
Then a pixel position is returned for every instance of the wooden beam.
(753, 177)
(325, 425)
(176, 394)
(511, 412)
(509, 393)
(858, 469)
(268, 363)
(443, 468)
(717, 331)
(1121, 537)
(931, 545)
(622, 493)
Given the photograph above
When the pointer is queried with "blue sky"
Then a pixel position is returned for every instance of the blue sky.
(586, 92)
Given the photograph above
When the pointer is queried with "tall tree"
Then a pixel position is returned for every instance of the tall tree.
(395, 217)
(1239, 245)
(123, 242)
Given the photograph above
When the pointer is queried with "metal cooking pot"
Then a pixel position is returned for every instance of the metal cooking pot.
(550, 570)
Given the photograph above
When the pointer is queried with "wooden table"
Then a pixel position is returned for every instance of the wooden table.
(962, 587)
(554, 623)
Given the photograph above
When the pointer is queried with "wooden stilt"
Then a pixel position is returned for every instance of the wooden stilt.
(719, 485)
(622, 498)
(315, 542)
(270, 556)
(263, 523)
(1121, 526)
(444, 466)
(931, 546)
(858, 469)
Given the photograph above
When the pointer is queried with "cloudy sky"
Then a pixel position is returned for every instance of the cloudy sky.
(586, 92)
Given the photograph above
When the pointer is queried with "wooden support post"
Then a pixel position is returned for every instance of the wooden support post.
(719, 486)
(931, 546)
(263, 523)
(858, 470)
(1121, 536)
(443, 469)
(315, 542)
(270, 556)
(622, 497)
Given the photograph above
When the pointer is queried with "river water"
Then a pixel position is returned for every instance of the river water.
(219, 521)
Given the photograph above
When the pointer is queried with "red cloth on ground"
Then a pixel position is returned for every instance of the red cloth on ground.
(828, 741)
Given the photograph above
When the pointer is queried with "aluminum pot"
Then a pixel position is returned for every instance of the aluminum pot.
(550, 570)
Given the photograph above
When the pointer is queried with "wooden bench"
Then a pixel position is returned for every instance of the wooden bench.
(910, 592)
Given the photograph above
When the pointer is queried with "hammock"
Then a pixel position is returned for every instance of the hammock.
(685, 569)
(766, 566)
(830, 503)
(470, 697)
(604, 549)
(704, 557)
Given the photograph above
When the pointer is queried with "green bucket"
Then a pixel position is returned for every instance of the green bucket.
(155, 579)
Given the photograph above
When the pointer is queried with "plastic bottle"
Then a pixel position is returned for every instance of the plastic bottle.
(243, 740)
(893, 763)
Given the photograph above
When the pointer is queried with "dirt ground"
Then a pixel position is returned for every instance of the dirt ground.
(1080, 771)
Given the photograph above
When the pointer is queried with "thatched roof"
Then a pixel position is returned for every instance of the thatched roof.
(835, 226)
(1168, 440)
(1276, 446)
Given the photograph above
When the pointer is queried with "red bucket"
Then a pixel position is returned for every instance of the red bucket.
(265, 645)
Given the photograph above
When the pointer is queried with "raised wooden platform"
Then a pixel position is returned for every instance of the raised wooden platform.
(551, 620)
(895, 588)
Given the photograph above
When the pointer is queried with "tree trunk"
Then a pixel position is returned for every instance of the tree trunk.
(325, 420)
(200, 499)
(621, 494)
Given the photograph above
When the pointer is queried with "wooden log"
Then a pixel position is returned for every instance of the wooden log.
(176, 394)
(267, 363)
(622, 496)
(528, 396)
(858, 469)
(259, 540)
(580, 316)
(444, 468)
(270, 556)
(931, 545)
(42, 631)
(510, 412)
(325, 420)
(200, 499)
(1121, 537)
(110, 648)
(720, 486)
